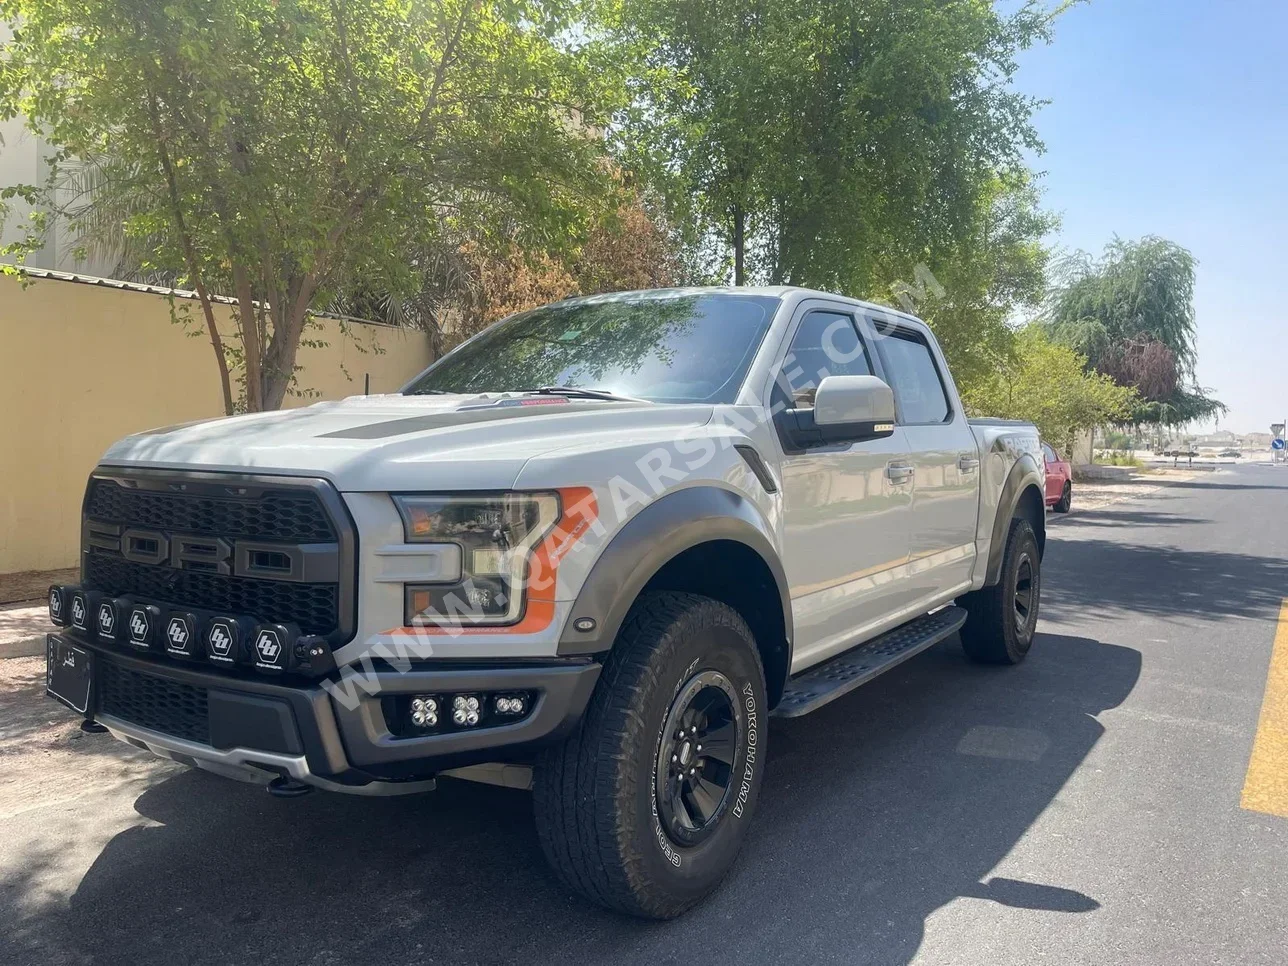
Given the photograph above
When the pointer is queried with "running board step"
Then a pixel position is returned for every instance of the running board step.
(810, 690)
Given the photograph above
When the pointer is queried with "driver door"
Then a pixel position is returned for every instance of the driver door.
(845, 506)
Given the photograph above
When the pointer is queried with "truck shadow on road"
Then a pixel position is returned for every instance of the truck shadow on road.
(1116, 517)
(1138, 579)
(877, 810)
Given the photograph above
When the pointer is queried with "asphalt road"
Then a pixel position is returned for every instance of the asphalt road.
(1081, 808)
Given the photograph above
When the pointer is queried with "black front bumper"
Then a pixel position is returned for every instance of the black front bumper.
(335, 734)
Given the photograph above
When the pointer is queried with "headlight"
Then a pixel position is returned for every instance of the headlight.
(497, 534)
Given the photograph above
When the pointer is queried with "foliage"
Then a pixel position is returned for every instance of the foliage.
(630, 249)
(514, 283)
(444, 163)
(977, 284)
(1116, 439)
(1048, 384)
(1117, 458)
(279, 150)
(464, 290)
(35, 223)
(1131, 313)
(823, 142)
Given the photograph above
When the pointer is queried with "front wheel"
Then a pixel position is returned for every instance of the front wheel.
(1001, 620)
(644, 808)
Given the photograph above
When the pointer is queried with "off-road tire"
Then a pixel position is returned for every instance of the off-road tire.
(993, 632)
(595, 796)
(1066, 499)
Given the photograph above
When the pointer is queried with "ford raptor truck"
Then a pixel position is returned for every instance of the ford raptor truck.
(590, 551)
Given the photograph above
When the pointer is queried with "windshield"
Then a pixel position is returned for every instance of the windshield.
(663, 348)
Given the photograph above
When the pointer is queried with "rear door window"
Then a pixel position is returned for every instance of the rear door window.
(914, 377)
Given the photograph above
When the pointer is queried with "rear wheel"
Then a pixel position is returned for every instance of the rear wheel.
(1002, 619)
(644, 808)
(1066, 499)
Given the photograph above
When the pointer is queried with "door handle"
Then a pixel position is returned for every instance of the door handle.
(899, 472)
(967, 463)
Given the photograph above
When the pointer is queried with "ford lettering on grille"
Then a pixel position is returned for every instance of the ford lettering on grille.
(215, 555)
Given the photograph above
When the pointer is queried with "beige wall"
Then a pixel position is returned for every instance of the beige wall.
(83, 365)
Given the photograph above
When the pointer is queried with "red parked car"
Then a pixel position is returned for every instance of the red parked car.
(1059, 480)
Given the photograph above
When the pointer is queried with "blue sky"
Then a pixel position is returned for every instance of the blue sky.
(1170, 117)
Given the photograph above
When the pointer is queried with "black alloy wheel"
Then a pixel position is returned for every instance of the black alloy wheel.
(694, 771)
(1002, 618)
(1023, 597)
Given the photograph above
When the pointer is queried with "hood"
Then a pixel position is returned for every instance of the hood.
(397, 442)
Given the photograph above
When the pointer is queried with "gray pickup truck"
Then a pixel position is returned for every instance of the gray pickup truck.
(590, 551)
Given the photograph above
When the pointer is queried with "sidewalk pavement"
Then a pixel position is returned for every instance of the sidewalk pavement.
(23, 629)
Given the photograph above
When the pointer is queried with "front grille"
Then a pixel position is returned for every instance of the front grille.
(314, 607)
(254, 512)
(275, 515)
(158, 704)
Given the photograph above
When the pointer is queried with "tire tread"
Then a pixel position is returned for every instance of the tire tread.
(584, 839)
(988, 636)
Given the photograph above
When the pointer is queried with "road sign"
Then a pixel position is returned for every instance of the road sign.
(1277, 430)
(1276, 444)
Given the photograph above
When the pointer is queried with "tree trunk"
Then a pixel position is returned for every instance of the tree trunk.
(248, 321)
(288, 328)
(739, 245)
(217, 344)
(190, 257)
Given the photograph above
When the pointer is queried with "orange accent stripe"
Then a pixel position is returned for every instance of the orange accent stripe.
(579, 510)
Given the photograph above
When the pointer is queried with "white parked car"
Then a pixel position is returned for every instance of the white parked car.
(590, 550)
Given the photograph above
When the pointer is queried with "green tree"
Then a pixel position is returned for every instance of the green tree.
(825, 142)
(1131, 314)
(283, 151)
(978, 283)
(469, 287)
(1047, 384)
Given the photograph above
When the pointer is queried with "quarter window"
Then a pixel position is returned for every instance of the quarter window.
(825, 344)
(914, 377)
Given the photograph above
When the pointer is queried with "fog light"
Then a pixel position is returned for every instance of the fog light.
(465, 718)
(510, 705)
(465, 710)
(58, 605)
(424, 711)
(81, 610)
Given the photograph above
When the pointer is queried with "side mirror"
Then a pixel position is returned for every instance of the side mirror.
(847, 409)
(853, 401)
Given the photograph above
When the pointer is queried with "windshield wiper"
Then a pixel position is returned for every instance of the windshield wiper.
(578, 393)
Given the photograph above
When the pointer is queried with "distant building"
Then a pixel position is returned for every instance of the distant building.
(23, 161)
(1256, 441)
(1221, 438)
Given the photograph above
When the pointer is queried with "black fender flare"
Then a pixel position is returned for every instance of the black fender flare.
(1024, 475)
(656, 535)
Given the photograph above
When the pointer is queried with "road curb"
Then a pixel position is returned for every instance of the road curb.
(1058, 518)
(26, 647)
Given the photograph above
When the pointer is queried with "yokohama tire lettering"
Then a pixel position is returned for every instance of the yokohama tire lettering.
(749, 768)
